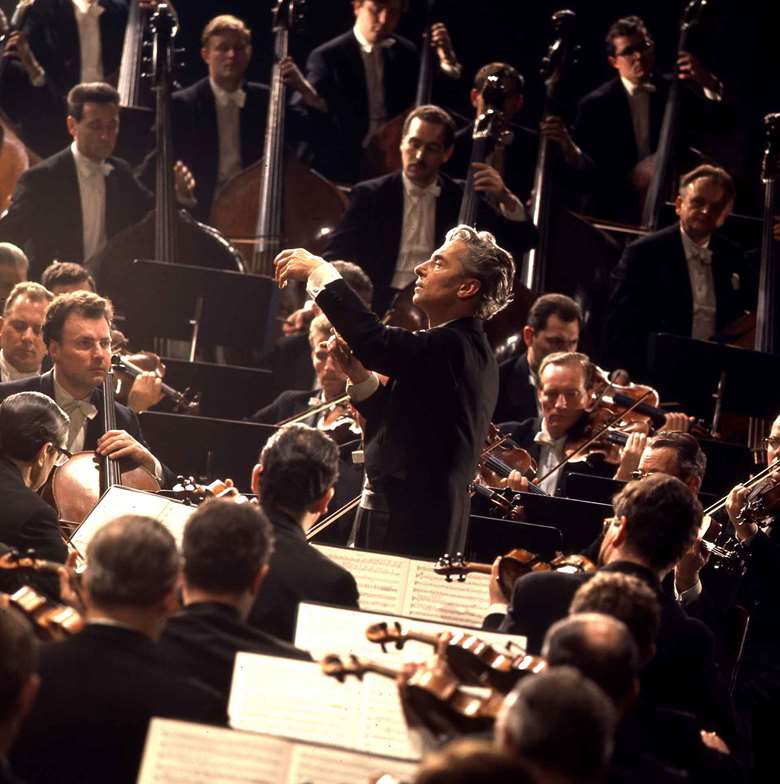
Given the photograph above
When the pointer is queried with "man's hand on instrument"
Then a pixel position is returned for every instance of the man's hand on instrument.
(442, 43)
(735, 500)
(675, 421)
(630, 455)
(293, 78)
(118, 444)
(494, 586)
(776, 228)
(184, 183)
(554, 128)
(488, 180)
(689, 67)
(517, 482)
(686, 573)
(295, 264)
(345, 360)
(145, 392)
(18, 48)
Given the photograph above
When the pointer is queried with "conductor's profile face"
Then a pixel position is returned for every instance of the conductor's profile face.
(441, 277)
(83, 356)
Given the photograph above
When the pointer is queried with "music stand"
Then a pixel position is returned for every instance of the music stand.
(200, 305)
(205, 448)
(226, 391)
(488, 537)
(694, 372)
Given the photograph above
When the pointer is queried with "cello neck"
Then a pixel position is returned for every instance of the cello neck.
(110, 473)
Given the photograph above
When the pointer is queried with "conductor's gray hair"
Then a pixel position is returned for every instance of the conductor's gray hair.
(487, 261)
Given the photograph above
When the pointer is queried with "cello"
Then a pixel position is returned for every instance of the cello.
(668, 138)
(277, 202)
(166, 233)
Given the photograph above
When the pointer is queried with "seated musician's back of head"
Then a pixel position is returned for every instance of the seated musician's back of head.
(62, 277)
(471, 761)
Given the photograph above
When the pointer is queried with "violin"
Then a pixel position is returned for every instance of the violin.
(763, 499)
(51, 621)
(433, 691)
(190, 492)
(474, 662)
(129, 367)
(512, 566)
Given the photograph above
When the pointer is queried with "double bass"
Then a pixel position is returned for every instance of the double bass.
(277, 202)
(167, 233)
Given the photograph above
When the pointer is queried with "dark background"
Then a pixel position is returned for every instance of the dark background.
(737, 40)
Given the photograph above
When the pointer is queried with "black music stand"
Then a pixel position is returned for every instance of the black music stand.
(226, 391)
(491, 536)
(198, 304)
(706, 378)
(205, 448)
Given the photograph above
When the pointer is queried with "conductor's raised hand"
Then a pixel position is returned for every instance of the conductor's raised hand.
(345, 360)
(295, 264)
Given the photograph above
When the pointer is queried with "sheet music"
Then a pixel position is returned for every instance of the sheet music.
(122, 501)
(180, 752)
(405, 586)
(381, 578)
(294, 699)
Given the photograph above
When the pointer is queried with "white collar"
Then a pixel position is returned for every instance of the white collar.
(369, 47)
(88, 9)
(544, 437)
(642, 87)
(223, 97)
(11, 373)
(64, 399)
(410, 189)
(86, 166)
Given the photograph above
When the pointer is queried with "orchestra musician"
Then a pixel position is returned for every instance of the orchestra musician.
(685, 279)
(553, 324)
(102, 686)
(83, 195)
(395, 221)
(294, 479)
(618, 124)
(33, 432)
(426, 426)
(77, 333)
(357, 81)
(21, 331)
(62, 277)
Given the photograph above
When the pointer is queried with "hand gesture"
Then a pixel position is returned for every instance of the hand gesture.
(295, 264)
(345, 360)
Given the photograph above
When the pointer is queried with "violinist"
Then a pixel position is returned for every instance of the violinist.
(21, 326)
(395, 221)
(617, 125)
(33, 434)
(19, 681)
(77, 332)
(358, 80)
(101, 686)
(684, 279)
(554, 324)
(425, 427)
(69, 205)
(294, 479)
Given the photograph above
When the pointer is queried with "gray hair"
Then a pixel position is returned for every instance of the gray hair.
(487, 261)
(27, 288)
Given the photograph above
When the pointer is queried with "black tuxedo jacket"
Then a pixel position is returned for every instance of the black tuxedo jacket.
(651, 292)
(196, 137)
(298, 572)
(45, 215)
(126, 419)
(27, 521)
(202, 640)
(425, 428)
(98, 692)
(517, 399)
(335, 69)
(289, 403)
(54, 38)
(683, 674)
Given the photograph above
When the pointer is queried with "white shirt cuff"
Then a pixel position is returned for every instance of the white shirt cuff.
(713, 95)
(497, 608)
(688, 596)
(158, 472)
(362, 391)
(516, 213)
(324, 274)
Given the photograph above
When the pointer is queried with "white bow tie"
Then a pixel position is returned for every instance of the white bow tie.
(432, 191)
(237, 97)
(703, 255)
(86, 408)
(544, 438)
(383, 44)
(91, 169)
(644, 87)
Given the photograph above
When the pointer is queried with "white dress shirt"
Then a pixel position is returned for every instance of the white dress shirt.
(92, 189)
(79, 411)
(374, 65)
(699, 259)
(9, 373)
(229, 106)
(90, 46)
(550, 454)
(417, 231)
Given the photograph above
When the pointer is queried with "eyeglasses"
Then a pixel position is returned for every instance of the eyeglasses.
(63, 455)
(639, 474)
(771, 441)
(635, 49)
